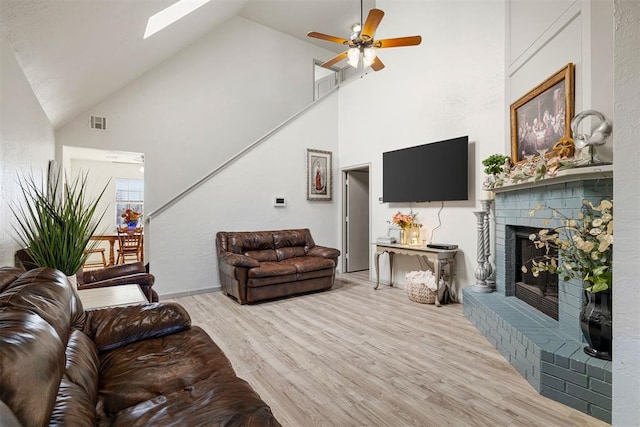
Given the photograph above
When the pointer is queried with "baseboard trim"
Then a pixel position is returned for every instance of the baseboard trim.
(189, 293)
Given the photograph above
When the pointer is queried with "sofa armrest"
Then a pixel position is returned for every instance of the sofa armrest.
(324, 252)
(238, 260)
(111, 272)
(115, 327)
(133, 279)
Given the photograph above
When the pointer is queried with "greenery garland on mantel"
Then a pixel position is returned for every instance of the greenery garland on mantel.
(535, 168)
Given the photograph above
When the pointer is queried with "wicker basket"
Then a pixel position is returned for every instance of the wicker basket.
(419, 292)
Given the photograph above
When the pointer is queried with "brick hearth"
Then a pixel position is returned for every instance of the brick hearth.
(548, 353)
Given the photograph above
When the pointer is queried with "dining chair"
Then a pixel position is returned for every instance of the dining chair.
(92, 262)
(130, 244)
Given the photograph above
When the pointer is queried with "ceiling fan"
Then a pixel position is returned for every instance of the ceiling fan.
(362, 44)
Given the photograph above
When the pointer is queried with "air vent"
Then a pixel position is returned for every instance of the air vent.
(98, 123)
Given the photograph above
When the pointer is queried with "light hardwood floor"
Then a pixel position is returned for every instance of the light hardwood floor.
(353, 356)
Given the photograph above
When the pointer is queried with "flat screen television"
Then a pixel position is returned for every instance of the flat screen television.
(427, 173)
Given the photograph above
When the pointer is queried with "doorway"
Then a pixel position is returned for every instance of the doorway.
(122, 173)
(356, 223)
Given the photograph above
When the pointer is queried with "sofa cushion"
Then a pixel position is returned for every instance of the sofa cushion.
(157, 367)
(328, 272)
(262, 255)
(46, 293)
(31, 365)
(308, 263)
(290, 238)
(271, 269)
(211, 402)
(290, 252)
(241, 242)
(8, 275)
(114, 327)
(273, 280)
(36, 314)
(78, 392)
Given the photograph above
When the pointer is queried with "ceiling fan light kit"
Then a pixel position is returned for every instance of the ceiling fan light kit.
(361, 44)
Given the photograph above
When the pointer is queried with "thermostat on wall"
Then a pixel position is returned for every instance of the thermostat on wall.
(279, 202)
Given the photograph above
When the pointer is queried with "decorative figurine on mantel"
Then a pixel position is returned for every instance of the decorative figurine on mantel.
(598, 137)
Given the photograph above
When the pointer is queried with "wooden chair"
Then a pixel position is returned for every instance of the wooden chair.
(93, 262)
(130, 244)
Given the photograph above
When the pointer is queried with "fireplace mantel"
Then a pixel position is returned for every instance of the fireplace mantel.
(567, 175)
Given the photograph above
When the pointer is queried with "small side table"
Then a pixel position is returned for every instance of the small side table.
(110, 296)
(438, 258)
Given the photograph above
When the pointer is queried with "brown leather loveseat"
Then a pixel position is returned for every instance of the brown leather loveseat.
(259, 265)
(141, 365)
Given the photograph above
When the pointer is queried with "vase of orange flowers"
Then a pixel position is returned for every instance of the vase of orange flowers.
(131, 218)
(405, 222)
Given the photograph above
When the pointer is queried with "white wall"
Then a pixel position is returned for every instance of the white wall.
(191, 114)
(543, 37)
(240, 198)
(203, 105)
(626, 264)
(26, 142)
(451, 85)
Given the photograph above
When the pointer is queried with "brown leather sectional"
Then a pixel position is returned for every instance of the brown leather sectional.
(119, 274)
(141, 365)
(260, 265)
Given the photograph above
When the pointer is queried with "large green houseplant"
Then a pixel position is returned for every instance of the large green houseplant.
(56, 220)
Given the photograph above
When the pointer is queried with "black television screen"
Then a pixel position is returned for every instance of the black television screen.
(426, 173)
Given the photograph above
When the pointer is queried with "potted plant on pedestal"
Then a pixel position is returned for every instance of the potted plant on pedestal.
(56, 221)
(584, 251)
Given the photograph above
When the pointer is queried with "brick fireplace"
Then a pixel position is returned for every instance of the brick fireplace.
(545, 351)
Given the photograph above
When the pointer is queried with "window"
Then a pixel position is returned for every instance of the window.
(129, 195)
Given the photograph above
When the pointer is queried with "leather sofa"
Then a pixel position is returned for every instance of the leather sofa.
(121, 274)
(139, 365)
(133, 273)
(260, 265)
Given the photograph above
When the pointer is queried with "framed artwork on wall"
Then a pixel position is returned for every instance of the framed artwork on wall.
(319, 183)
(542, 117)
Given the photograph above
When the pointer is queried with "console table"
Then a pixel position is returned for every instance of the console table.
(438, 259)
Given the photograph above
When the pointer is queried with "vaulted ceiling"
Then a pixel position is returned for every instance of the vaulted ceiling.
(74, 53)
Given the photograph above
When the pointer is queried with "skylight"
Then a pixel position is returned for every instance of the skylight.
(168, 16)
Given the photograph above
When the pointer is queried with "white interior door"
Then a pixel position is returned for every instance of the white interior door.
(357, 220)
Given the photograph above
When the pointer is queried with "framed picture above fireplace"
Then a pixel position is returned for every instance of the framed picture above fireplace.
(542, 117)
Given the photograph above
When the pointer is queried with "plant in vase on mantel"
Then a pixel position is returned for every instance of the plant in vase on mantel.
(582, 249)
(405, 222)
(131, 217)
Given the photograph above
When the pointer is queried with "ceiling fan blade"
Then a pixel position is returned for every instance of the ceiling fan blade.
(377, 64)
(334, 60)
(398, 42)
(327, 37)
(371, 24)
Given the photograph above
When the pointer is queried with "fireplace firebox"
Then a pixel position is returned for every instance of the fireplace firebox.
(540, 292)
